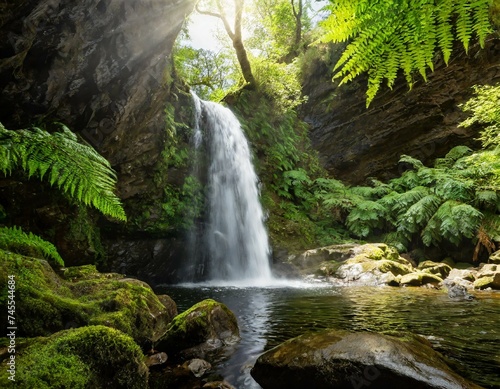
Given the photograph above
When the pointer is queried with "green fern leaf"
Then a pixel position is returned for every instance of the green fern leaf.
(75, 168)
(15, 240)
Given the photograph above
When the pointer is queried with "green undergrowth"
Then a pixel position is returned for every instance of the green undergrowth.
(286, 165)
(87, 357)
(15, 240)
(47, 302)
(177, 199)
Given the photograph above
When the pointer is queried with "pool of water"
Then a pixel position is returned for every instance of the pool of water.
(467, 332)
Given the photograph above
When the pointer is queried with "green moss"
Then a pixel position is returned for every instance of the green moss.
(87, 357)
(484, 282)
(198, 324)
(46, 303)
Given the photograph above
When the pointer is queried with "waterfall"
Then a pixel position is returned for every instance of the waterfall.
(231, 244)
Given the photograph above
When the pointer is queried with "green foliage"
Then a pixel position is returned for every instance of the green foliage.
(78, 170)
(95, 356)
(210, 74)
(280, 82)
(485, 109)
(388, 36)
(15, 240)
(450, 202)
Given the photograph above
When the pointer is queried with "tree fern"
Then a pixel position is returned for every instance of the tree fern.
(365, 217)
(386, 35)
(418, 215)
(15, 240)
(78, 170)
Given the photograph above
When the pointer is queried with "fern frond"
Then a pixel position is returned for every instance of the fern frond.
(388, 35)
(418, 215)
(364, 217)
(452, 222)
(77, 170)
(15, 240)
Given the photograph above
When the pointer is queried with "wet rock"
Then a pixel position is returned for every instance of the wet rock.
(340, 359)
(438, 268)
(218, 385)
(156, 359)
(459, 292)
(312, 258)
(204, 328)
(464, 277)
(170, 307)
(495, 258)
(372, 264)
(197, 366)
(419, 278)
(488, 276)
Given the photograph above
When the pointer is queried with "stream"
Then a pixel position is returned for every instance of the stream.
(467, 332)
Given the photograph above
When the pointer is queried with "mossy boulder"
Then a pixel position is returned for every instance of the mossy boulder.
(47, 303)
(488, 276)
(341, 359)
(371, 264)
(419, 278)
(208, 325)
(495, 258)
(86, 357)
(438, 268)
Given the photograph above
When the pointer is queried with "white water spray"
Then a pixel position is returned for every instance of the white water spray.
(234, 239)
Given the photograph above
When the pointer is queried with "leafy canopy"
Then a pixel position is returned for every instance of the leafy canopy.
(388, 36)
(78, 170)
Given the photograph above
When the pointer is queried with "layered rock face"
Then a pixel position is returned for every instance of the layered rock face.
(99, 67)
(356, 143)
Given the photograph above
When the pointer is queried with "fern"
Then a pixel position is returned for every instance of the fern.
(78, 170)
(365, 217)
(15, 240)
(418, 215)
(452, 221)
(485, 109)
(386, 36)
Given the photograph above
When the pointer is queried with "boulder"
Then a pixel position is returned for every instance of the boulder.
(197, 366)
(438, 268)
(495, 258)
(205, 327)
(459, 292)
(156, 359)
(341, 359)
(372, 264)
(87, 357)
(47, 303)
(488, 276)
(419, 278)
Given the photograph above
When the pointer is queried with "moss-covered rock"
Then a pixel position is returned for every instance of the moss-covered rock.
(488, 276)
(371, 264)
(47, 303)
(86, 357)
(206, 325)
(340, 359)
(420, 278)
(495, 258)
(438, 268)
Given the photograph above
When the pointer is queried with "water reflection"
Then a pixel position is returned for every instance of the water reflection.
(466, 332)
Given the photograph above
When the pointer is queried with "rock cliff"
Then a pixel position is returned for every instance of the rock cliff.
(99, 67)
(356, 143)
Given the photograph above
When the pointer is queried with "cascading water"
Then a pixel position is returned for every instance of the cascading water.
(232, 245)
